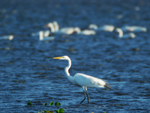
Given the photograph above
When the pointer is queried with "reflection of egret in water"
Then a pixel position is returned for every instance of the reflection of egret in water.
(7, 37)
(122, 35)
(43, 38)
(83, 79)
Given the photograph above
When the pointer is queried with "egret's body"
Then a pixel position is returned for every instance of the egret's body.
(125, 36)
(84, 32)
(108, 28)
(44, 37)
(56, 30)
(134, 28)
(7, 37)
(51, 26)
(82, 79)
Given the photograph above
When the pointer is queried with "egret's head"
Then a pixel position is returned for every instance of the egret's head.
(50, 25)
(62, 57)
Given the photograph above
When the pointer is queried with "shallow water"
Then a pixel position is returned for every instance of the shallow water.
(28, 71)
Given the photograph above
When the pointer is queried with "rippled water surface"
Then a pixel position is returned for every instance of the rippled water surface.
(28, 72)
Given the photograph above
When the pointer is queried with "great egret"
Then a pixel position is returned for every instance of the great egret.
(84, 32)
(108, 28)
(7, 37)
(127, 35)
(43, 38)
(82, 79)
(51, 26)
(134, 28)
(55, 29)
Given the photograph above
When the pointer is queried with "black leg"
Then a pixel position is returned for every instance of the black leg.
(84, 98)
(87, 96)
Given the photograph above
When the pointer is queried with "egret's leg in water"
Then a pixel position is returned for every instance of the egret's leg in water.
(87, 96)
(84, 97)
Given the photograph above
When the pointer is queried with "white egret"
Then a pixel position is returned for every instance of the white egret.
(127, 35)
(134, 28)
(108, 28)
(82, 79)
(51, 26)
(55, 29)
(43, 38)
(7, 37)
(84, 32)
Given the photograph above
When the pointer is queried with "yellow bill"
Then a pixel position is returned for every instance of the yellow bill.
(57, 57)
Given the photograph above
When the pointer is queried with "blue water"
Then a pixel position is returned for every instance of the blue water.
(28, 71)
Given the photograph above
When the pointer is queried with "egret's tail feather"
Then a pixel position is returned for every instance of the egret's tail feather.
(108, 86)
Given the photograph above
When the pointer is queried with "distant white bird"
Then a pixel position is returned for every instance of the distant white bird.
(51, 26)
(7, 37)
(46, 33)
(127, 35)
(55, 29)
(134, 28)
(108, 28)
(56, 26)
(66, 30)
(82, 79)
(42, 38)
(93, 26)
(84, 32)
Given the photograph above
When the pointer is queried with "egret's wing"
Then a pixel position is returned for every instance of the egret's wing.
(89, 81)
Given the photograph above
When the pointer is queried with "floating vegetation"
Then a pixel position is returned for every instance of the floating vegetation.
(29, 103)
(45, 104)
(61, 110)
(57, 104)
(51, 103)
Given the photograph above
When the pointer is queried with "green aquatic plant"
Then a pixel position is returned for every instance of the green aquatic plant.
(45, 104)
(29, 103)
(51, 103)
(61, 110)
(57, 104)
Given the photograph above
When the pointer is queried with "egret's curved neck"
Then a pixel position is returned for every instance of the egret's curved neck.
(41, 37)
(56, 26)
(70, 78)
(52, 28)
(68, 67)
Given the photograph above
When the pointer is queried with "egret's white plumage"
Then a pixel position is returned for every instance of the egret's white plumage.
(55, 29)
(134, 28)
(51, 26)
(84, 32)
(44, 37)
(108, 28)
(7, 37)
(127, 35)
(82, 79)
